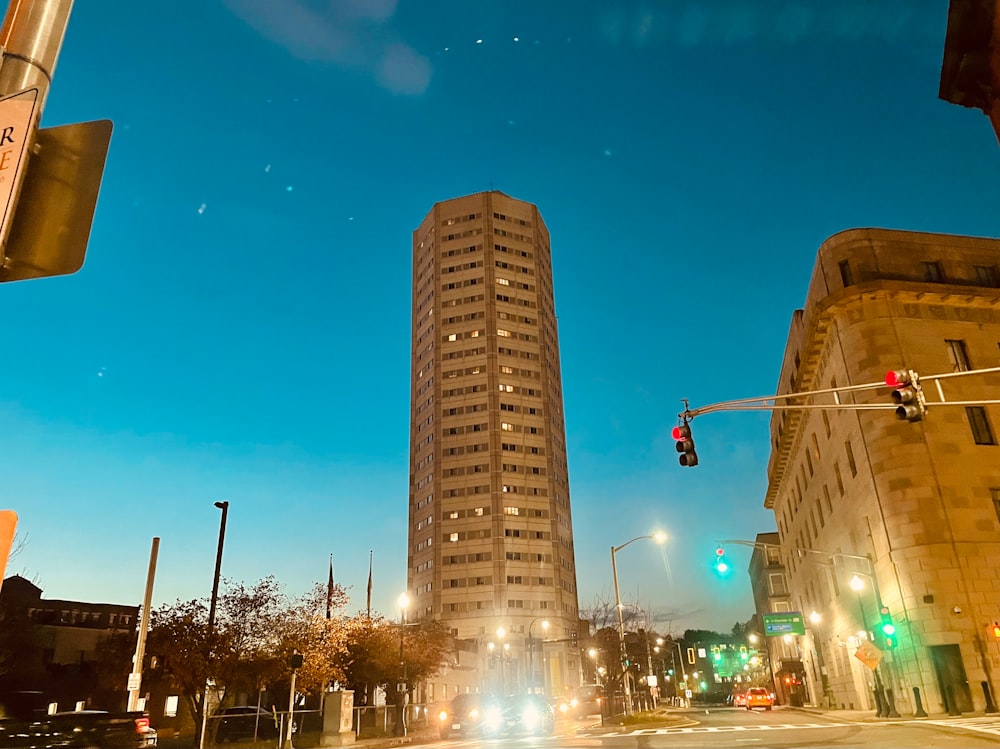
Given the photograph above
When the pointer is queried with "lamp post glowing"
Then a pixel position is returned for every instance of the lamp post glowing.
(531, 650)
(659, 537)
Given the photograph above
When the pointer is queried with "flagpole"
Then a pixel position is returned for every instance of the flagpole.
(370, 552)
(329, 590)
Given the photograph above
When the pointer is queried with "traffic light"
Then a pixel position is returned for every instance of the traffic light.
(744, 654)
(907, 394)
(888, 628)
(716, 653)
(996, 630)
(721, 565)
(574, 638)
(685, 445)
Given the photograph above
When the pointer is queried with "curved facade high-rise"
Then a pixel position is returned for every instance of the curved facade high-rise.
(490, 529)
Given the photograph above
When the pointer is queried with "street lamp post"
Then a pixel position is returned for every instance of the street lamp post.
(531, 649)
(659, 537)
(400, 729)
(882, 705)
(224, 506)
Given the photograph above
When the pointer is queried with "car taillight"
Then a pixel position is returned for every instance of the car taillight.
(141, 725)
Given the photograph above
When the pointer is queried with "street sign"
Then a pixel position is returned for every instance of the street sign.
(51, 226)
(868, 654)
(8, 524)
(17, 113)
(134, 682)
(785, 623)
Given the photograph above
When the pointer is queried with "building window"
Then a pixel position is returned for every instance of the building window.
(840, 480)
(776, 582)
(932, 271)
(986, 275)
(845, 273)
(995, 494)
(850, 458)
(982, 434)
(826, 423)
(958, 356)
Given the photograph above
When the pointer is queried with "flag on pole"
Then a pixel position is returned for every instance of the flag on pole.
(370, 583)
(329, 591)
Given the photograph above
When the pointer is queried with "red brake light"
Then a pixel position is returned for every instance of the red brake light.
(141, 725)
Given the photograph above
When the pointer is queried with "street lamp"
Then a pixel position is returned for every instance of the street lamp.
(403, 601)
(659, 537)
(224, 506)
(531, 649)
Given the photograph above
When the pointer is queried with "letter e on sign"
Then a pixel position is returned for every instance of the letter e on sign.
(17, 114)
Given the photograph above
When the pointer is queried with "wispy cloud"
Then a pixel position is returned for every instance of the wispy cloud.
(347, 33)
(693, 22)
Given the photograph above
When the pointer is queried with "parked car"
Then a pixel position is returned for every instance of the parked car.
(759, 697)
(244, 722)
(26, 723)
(527, 714)
(470, 715)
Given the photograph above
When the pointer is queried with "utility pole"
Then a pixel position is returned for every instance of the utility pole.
(135, 678)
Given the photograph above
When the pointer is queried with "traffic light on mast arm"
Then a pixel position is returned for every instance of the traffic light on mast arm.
(685, 444)
(721, 565)
(907, 394)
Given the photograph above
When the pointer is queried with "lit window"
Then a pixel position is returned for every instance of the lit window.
(474, 334)
(453, 537)
(453, 337)
(503, 333)
(478, 512)
(503, 282)
(511, 510)
(170, 707)
(506, 427)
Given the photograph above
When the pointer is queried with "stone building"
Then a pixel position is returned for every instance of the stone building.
(887, 519)
(490, 528)
(71, 650)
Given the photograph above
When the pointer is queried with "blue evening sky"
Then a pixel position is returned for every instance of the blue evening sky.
(240, 329)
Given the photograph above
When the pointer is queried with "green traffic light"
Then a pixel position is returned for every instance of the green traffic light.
(888, 629)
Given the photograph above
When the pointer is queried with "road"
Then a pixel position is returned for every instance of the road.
(731, 727)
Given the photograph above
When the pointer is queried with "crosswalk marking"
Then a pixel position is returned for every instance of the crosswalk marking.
(980, 725)
(710, 729)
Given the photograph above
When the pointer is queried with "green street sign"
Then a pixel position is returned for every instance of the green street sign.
(785, 623)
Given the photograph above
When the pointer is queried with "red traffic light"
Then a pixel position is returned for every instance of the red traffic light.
(719, 551)
(682, 432)
(897, 378)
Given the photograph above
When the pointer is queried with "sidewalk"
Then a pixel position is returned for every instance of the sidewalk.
(869, 716)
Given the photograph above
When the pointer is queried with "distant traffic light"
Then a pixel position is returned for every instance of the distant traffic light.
(907, 394)
(721, 565)
(888, 628)
(685, 445)
(574, 638)
(996, 630)
(716, 653)
(744, 654)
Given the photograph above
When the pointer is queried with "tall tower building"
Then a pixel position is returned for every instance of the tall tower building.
(490, 532)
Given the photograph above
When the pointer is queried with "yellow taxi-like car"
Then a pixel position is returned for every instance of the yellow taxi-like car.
(759, 697)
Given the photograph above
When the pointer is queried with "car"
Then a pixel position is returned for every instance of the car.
(472, 714)
(759, 697)
(244, 722)
(528, 714)
(583, 701)
(739, 699)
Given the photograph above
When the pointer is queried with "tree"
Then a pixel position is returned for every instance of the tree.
(179, 636)
(374, 651)
(322, 641)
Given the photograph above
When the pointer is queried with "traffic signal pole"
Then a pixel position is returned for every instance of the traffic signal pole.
(786, 402)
